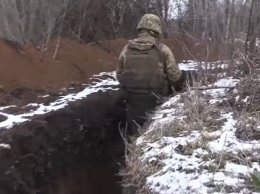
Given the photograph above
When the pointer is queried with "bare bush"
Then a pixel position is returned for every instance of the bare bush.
(29, 21)
(26, 21)
(230, 24)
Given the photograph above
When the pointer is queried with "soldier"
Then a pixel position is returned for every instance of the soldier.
(147, 71)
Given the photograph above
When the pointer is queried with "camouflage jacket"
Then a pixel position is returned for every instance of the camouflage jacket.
(146, 41)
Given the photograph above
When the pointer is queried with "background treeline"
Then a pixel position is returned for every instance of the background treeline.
(221, 22)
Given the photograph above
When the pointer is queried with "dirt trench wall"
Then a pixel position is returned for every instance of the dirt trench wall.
(71, 151)
(49, 70)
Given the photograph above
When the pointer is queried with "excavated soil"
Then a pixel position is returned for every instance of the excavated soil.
(76, 150)
(183, 48)
(27, 72)
(30, 67)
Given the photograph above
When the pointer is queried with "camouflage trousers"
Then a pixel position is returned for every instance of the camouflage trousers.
(138, 106)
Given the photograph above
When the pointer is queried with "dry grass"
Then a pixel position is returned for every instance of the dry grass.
(242, 65)
(246, 105)
(248, 126)
(194, 112)
(136, 171)
(249, 95)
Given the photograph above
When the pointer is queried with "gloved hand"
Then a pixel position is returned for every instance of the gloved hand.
(190, 76)
(185, 80)
(180, 85)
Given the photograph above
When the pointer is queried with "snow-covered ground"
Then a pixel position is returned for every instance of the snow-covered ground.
(193, 138)
(195, 65)
(100, 84)
(102, 81)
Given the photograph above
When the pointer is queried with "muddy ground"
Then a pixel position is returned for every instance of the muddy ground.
(27, 70)
(76, 150)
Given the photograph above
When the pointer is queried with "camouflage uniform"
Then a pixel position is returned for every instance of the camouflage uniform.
(142, 78)
(172, 70)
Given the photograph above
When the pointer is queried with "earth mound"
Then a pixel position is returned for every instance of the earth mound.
(72, 148)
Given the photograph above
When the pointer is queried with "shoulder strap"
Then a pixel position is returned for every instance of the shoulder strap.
(157, 45)
(161, 55)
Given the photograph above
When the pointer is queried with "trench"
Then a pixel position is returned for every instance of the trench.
(75, 150)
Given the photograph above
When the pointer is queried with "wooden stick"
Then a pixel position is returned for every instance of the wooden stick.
(211, 87)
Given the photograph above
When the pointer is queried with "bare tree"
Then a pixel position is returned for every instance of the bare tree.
(223, 23)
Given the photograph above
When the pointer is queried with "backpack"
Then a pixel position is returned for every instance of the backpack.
(144, 71)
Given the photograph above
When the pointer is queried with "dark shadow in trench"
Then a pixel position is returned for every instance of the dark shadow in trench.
(76, 150)
(88, 176)
(99, 154)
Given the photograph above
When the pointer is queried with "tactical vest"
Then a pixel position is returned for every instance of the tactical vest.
(144, 71)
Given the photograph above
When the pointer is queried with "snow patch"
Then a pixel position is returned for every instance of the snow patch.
(191, 65)
(103, 85)
(219, 92)
(198, 171)
(5, 146)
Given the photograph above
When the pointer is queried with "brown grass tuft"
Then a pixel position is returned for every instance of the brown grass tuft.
(136, 171)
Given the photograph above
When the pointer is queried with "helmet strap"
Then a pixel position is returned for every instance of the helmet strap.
(150, 32)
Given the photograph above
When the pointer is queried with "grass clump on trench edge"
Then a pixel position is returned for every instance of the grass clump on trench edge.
(194, 112)
(135, 171)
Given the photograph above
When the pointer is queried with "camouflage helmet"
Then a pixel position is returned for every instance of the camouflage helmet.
(150, 22)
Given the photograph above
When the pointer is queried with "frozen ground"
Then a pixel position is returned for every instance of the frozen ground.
(202, 157)
(194, 65)
(99, 84)
(199, 158)
(102, 81)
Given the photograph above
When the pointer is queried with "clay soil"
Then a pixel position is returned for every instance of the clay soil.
(75, 150)
(27, 72)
